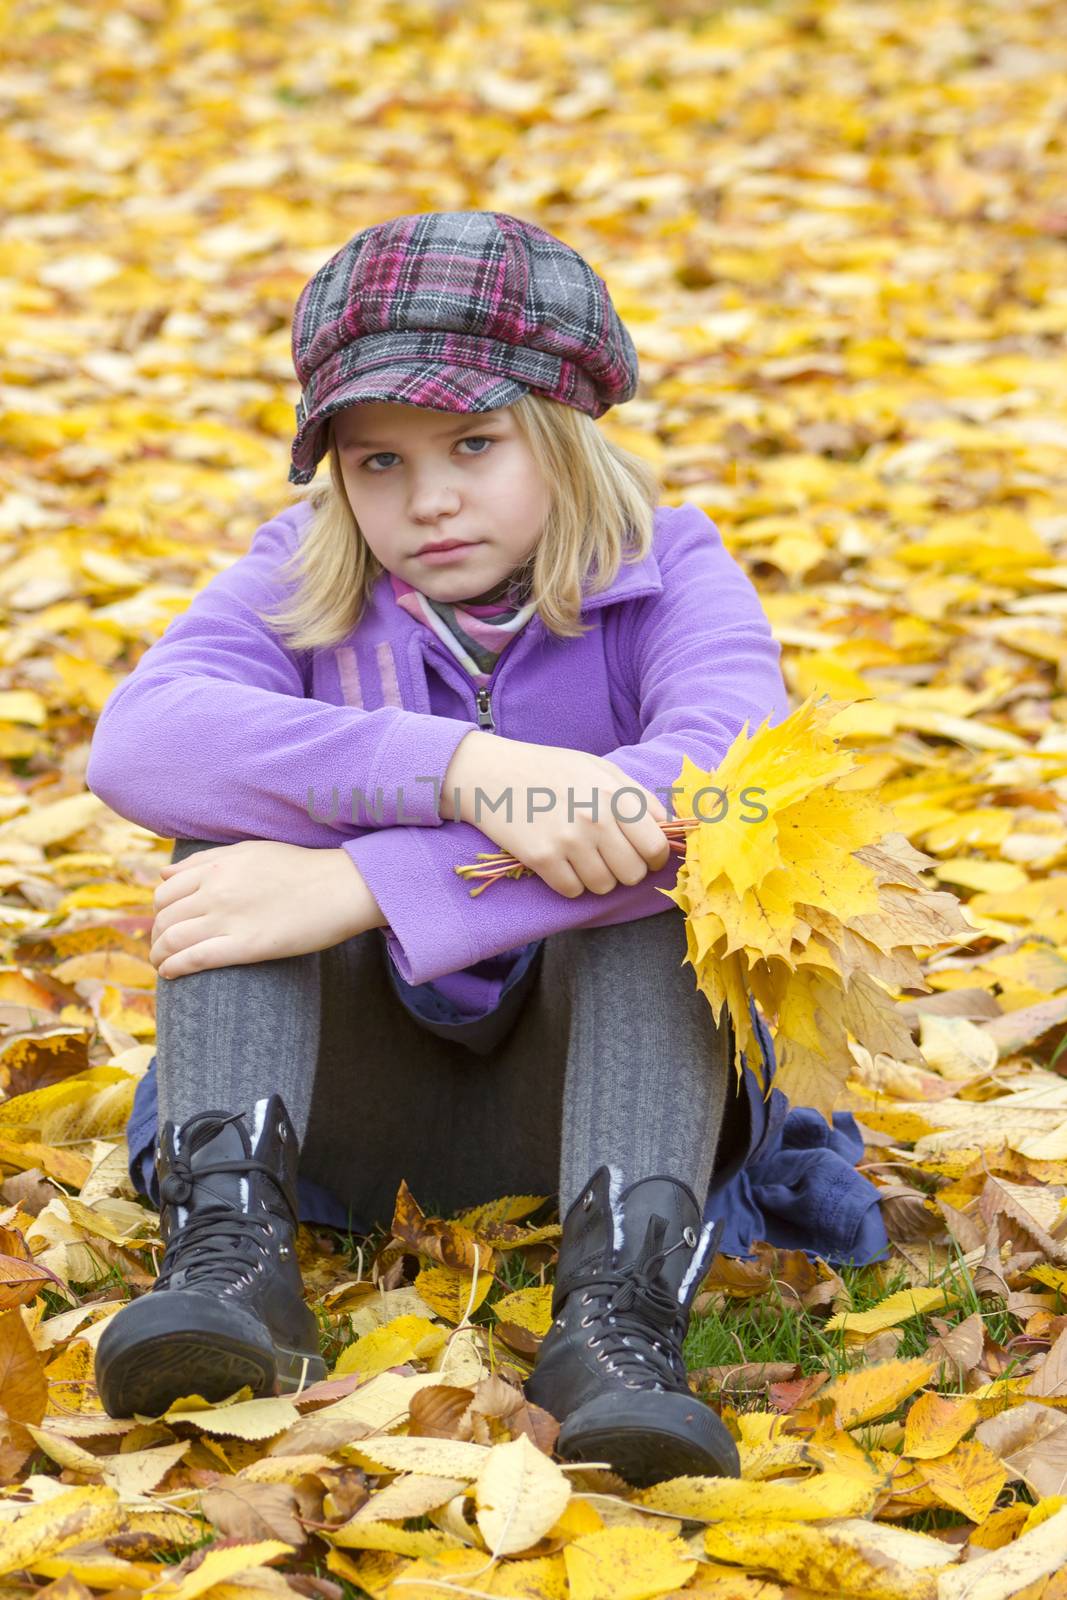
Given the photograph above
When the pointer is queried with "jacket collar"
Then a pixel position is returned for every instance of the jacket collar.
(633, 581)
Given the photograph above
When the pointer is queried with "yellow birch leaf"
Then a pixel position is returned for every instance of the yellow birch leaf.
(828, 1494)
(875, 1390)
(724, 1583)
(891, 1312)
(935, 1424)
(219, 1565)
(968, 1479)
(1053, 1277)
(99, 1571)
(1048, 1506)
(840, 1453)
(110, 966)
(48, 824)
(578, 1517)
(372, 1570)
(22, 705)
(262, 1583)
(125, 1230)
(460, 1360)
(381, 1404)
(284, 1468)
(87, 1105)
(247, 1419)
(70, 1518)
(1000, 1527)
(109, 895)
(406, 1338)
(771, 1458)
(626, 1564)
(509, 1208)
(530, 1309)
(447, 1290)
(387, 1536)
(853, 1558)
(999, 1574)
(445, 1458)
(456, 1570)
(518, 1495)
(539, 1578)
(137, 1472)
(413, 1495)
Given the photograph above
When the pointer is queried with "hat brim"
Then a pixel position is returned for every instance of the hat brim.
(435, 386)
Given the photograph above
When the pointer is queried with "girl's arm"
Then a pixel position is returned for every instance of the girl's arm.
(705, 661)
(211, 735)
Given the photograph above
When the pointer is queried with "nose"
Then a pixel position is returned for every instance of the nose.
(431, 497)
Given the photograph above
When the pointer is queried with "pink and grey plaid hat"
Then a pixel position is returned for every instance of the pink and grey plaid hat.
(455, 311)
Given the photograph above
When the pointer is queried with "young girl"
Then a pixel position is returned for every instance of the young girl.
(482, 633)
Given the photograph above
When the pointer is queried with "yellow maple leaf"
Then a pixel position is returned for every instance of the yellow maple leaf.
(799, 890)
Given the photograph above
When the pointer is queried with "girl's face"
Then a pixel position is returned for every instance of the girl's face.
(415, 477)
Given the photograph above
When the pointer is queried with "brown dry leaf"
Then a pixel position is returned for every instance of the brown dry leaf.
(1050, 1380)
(1031, 1442)
(441, 1412)
(446, 1242)
(960, 1348)
(22, 1280)
(254, 1511)
(23, 1386)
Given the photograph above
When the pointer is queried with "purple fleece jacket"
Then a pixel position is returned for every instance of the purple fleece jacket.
(221, 732)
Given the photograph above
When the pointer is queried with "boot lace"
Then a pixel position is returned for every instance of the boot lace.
(637, 1304)
(221, 1245)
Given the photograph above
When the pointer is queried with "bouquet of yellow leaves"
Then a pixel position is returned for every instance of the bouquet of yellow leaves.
(798, 888)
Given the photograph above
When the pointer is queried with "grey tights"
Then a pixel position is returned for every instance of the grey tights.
(615, 1057)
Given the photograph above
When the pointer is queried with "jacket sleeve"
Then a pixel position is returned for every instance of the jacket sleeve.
(212, 735)
(704, 660)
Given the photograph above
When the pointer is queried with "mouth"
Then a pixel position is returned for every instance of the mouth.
(445, 544)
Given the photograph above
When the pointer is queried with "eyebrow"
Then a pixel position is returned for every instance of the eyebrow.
(470, 420)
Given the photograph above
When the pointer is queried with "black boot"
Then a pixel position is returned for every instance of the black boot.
(227, 1308)
(610, 1369)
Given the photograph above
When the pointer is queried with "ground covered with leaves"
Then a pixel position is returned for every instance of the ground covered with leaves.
(836, 232)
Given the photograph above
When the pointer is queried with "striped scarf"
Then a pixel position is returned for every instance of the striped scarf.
(476, 634)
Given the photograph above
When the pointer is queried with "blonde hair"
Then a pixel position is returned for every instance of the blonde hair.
(600, 514)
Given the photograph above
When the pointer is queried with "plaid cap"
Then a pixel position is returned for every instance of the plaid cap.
(455, 311)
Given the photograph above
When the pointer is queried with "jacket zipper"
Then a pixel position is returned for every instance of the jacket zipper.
(484, 707)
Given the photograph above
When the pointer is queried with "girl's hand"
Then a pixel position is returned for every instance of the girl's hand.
(574, 854)
(256, 900)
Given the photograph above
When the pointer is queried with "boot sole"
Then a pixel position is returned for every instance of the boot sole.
(677, 1437)
(144, 1368)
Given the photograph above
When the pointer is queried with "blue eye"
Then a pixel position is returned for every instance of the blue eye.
(473, 438)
